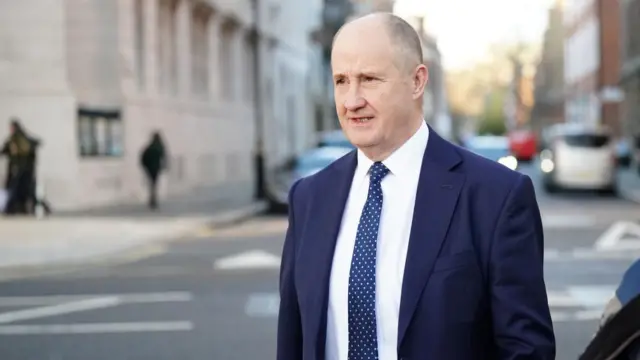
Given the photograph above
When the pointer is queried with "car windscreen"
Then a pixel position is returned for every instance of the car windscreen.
(319, 158)
(492, 153)
(586, 140)
(336, 143)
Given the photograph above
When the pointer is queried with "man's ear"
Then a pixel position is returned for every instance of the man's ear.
(420, 79)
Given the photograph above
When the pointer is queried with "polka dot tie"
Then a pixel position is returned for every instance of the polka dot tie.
(363, 338)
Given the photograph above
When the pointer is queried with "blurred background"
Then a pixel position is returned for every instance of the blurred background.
(145, 215)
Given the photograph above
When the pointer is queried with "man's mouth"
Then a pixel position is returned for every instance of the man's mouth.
(361, 120)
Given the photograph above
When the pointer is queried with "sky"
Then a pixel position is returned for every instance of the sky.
(466, 28)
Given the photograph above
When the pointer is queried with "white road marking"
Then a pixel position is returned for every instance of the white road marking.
(573, 304)
(561, 299)
(567, 221)
(550, 254)
(96, 328)
(254, 259)
(583, 254)
(66, 304)
(54, 310)
(623, 235)
(175, 296)
(592, 296)
(575, 316)
(263, 305)
(587, 296)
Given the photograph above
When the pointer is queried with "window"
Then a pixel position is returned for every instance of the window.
(99, 133)
(586, 140)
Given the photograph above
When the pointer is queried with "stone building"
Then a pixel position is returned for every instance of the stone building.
(93, 78)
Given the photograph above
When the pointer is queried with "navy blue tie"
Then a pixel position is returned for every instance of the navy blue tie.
(363, 338)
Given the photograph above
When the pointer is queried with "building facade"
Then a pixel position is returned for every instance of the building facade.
(93, 79)
(630, 66)
(334, 14)
(592, 62)
(363, 7)
(549, 77)
(291, 79)
(435, 102)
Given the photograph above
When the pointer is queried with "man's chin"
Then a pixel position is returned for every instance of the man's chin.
(364, 144)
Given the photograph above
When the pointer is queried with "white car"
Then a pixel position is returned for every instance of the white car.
(580, 157)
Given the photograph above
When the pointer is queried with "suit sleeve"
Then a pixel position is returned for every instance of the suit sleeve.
(289, 325)
(519, 308)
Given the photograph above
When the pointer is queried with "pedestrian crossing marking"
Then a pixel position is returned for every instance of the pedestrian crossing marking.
(570, 304)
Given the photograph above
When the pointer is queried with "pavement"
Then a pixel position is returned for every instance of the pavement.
(213, 294)
(29, 245)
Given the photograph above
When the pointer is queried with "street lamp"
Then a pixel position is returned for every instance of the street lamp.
(260, 186)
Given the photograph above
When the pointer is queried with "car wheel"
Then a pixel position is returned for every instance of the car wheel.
(610, 191)
(550, 188)
(549, 185)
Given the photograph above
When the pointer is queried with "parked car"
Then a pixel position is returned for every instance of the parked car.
(304, 165)
(624, 153)
(335, 138)
(494, 148)
(580, 157)
(523, 145)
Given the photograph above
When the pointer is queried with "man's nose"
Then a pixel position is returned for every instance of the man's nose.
(354, 99)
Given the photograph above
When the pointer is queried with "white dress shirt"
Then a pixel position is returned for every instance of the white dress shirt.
(399, 193)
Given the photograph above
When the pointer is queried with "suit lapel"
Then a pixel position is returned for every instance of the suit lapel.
(436, 199)
(325, 216)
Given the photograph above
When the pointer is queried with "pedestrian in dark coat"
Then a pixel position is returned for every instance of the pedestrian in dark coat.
(154, 160)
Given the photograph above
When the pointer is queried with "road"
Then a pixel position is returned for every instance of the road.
(214, 296)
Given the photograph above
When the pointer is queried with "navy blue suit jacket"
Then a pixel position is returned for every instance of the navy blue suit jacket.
(473, 284)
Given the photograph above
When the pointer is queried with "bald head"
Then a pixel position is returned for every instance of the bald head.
(403, 37)
(379, 80)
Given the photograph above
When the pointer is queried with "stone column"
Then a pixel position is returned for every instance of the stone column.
(215, 74)
(239, 61)
(183, 48)
(34, 86)
(126, 46)
(151, 50)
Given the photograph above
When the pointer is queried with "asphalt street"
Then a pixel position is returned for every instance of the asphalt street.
(214, 296)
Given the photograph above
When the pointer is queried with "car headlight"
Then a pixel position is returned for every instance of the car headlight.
(547, 165)
(509, 161)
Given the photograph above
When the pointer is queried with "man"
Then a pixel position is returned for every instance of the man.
(409, 247)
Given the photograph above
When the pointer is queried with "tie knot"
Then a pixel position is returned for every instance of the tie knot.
(378, 171)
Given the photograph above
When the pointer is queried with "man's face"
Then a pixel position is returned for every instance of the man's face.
(374, 93)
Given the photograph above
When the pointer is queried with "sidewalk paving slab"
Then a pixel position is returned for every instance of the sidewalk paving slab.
(64, 240)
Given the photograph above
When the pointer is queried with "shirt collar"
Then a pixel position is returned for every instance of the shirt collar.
(405, 161)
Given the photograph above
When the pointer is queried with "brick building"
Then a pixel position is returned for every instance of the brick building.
(549, 77)
(592, 62)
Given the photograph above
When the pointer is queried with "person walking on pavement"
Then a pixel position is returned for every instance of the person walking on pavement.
(154, 160)
(408, 247)
(20, 180)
